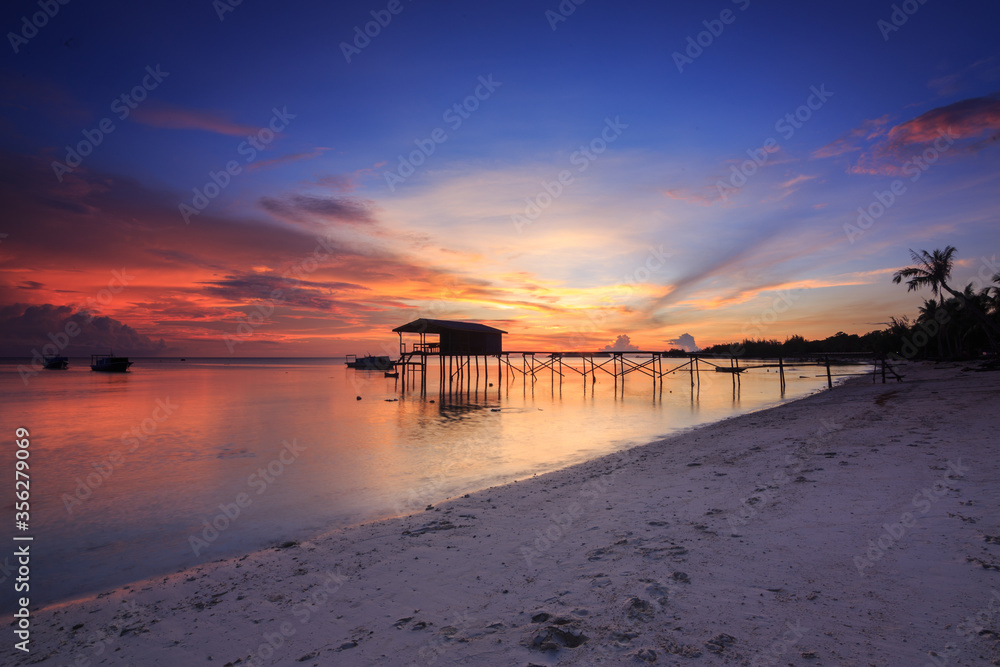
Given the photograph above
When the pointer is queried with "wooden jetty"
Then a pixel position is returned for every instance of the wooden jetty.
(467, 350)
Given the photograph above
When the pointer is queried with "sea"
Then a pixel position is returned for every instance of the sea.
(181, 462)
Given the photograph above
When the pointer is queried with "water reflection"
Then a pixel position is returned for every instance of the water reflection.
(134, 465)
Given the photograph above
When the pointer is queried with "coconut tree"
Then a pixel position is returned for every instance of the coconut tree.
(934, 270)
(932, 312)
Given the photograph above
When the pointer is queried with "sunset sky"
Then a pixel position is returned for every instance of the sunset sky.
(566, 172)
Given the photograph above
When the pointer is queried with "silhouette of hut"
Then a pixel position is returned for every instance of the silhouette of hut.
(455, 339)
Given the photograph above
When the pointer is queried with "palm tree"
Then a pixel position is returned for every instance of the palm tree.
(933, 270)
(931, 312)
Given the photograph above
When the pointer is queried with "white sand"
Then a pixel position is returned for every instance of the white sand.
(649, 554)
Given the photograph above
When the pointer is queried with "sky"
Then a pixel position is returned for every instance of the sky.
(297, 179)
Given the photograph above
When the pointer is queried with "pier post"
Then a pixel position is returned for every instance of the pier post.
(829, 378)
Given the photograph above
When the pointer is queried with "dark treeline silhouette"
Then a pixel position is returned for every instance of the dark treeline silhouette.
(965, 325)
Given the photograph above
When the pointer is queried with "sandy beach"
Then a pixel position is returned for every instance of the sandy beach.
(858, 526)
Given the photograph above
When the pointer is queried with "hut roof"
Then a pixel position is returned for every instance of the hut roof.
(424, 325)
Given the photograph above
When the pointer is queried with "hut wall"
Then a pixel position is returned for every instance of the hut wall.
(456, 343)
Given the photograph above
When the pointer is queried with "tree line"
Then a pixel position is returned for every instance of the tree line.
(953, 324)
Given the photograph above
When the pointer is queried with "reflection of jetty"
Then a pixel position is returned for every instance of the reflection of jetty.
(463, 346)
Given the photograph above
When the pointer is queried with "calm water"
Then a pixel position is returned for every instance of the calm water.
(126, 469)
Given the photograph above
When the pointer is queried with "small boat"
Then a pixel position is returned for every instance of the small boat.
(55, 363)
(108, 363)
(392, 375)
(722, 369)
(370, 363)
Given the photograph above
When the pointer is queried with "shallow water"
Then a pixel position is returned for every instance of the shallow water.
(129, 471)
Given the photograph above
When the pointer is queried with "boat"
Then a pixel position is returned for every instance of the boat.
(108, 363)
(370, 363)
(55, 363)
(392, 375)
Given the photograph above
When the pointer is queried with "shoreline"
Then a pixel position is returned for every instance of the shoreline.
(745, 541)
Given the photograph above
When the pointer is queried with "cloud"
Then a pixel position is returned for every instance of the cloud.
(300, 207)
(248, 288)
(27, 328)
(622, 344)
(337, 182)
(985, 70)
(972, 123)
(792, 182)
(705, 196)
(30, 285)
(170, 117)
(685, 342)
(853, 140)
(287, 159)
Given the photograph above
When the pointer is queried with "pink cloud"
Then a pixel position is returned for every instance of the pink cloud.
(973, 123)
(853, 140)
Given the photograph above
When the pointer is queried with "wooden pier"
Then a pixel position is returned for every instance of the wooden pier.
(466, 352)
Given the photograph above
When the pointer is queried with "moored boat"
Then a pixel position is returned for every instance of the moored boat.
(108, 363)
(370, 363)
(55, 363)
